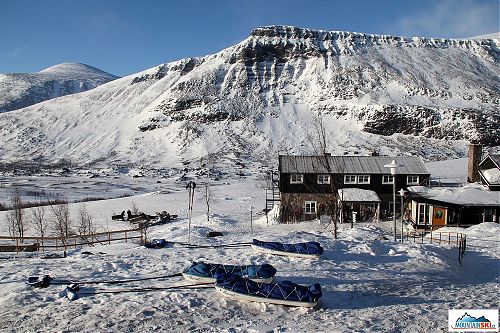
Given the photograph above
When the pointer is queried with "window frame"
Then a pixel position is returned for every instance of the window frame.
(367, 182)
(323, 182)
(292, 181)
(387, 182)
(312, 204)
(355, 177)
(408, 182)
(423, 215)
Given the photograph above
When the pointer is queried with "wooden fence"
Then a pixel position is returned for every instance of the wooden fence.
(28, 244)
(455, 238)
(434, 237)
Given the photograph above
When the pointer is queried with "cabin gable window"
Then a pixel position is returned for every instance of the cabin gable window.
(387, 179)
(364, 179)
(310, 207)
(350, 179)
(412, 180)
(323, 179)
(296, 178)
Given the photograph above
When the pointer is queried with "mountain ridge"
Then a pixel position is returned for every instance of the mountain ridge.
(398, 95)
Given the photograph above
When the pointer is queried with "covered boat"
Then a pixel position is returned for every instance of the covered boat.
(284, 293)
(311, 250)
(206, 272)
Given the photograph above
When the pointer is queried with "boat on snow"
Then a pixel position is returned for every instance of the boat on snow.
(284, 293)
(206, 272)
(311, 250)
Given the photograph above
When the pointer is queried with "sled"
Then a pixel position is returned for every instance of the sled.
(252, 298)
(206, 273)
(310, 250)
(282, 293)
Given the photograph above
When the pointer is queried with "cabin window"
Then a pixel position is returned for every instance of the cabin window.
(296, 178)
(423, 214)
(387, 179)
(412, 180)
(488, 215)
(364, 179)
(323, 179)
(310, 207)
(350, 179)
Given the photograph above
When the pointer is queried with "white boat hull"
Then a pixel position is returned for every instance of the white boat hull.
(203, 279)
(283, 253)
(244, 297)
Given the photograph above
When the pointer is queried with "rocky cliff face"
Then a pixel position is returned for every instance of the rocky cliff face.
(264, 96)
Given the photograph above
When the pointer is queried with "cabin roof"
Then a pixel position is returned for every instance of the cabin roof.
(471, 195)
(411, 165)
(358, 195)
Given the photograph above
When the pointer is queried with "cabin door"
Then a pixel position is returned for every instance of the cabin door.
(438, 217)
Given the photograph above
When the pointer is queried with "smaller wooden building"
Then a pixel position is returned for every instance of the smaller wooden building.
(435, 207)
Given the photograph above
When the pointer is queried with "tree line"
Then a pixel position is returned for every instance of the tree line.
(53, 219)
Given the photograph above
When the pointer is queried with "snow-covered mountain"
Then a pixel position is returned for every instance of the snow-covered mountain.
(19, 90)
(396, 95)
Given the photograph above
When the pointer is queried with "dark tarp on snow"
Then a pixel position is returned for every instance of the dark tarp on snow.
(156, 244)
(313, 248)
(202, 269)
(284, 290)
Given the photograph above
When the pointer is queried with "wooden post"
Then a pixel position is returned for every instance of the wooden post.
(449, 238)
(109, 237)
(56, 244)
(17, 245)
(431, 237)
(125, 236)
(440, 238)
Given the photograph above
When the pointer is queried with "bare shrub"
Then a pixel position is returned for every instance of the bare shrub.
(62, 219)
(134, 210)
(38, 221)
(85, 221)
(209, 196)
(15, 217)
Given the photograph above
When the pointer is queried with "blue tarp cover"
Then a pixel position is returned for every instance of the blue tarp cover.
(156, 244)
(263, 271)
(302, 248)
(285, 290)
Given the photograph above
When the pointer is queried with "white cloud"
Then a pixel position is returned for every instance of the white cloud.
(453, 19)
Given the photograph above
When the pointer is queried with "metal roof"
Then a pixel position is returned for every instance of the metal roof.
(411, 165)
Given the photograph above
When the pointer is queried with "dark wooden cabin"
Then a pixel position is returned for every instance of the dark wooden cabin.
(306, 181)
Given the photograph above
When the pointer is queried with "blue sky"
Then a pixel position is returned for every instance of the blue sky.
(124, 37)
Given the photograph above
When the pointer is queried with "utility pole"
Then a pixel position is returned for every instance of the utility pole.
(251, 218)
(190, 186)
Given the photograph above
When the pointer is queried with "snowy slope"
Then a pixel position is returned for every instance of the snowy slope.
(495, 35)
(18, 90)
(396, 95)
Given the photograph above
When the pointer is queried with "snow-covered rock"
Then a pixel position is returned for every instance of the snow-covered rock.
(19, 90)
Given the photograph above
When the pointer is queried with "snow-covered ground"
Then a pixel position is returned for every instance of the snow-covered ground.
(370, 283)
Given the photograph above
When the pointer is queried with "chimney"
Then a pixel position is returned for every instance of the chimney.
(475, 154)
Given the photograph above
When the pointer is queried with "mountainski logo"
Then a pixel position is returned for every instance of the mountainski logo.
(473, 320)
